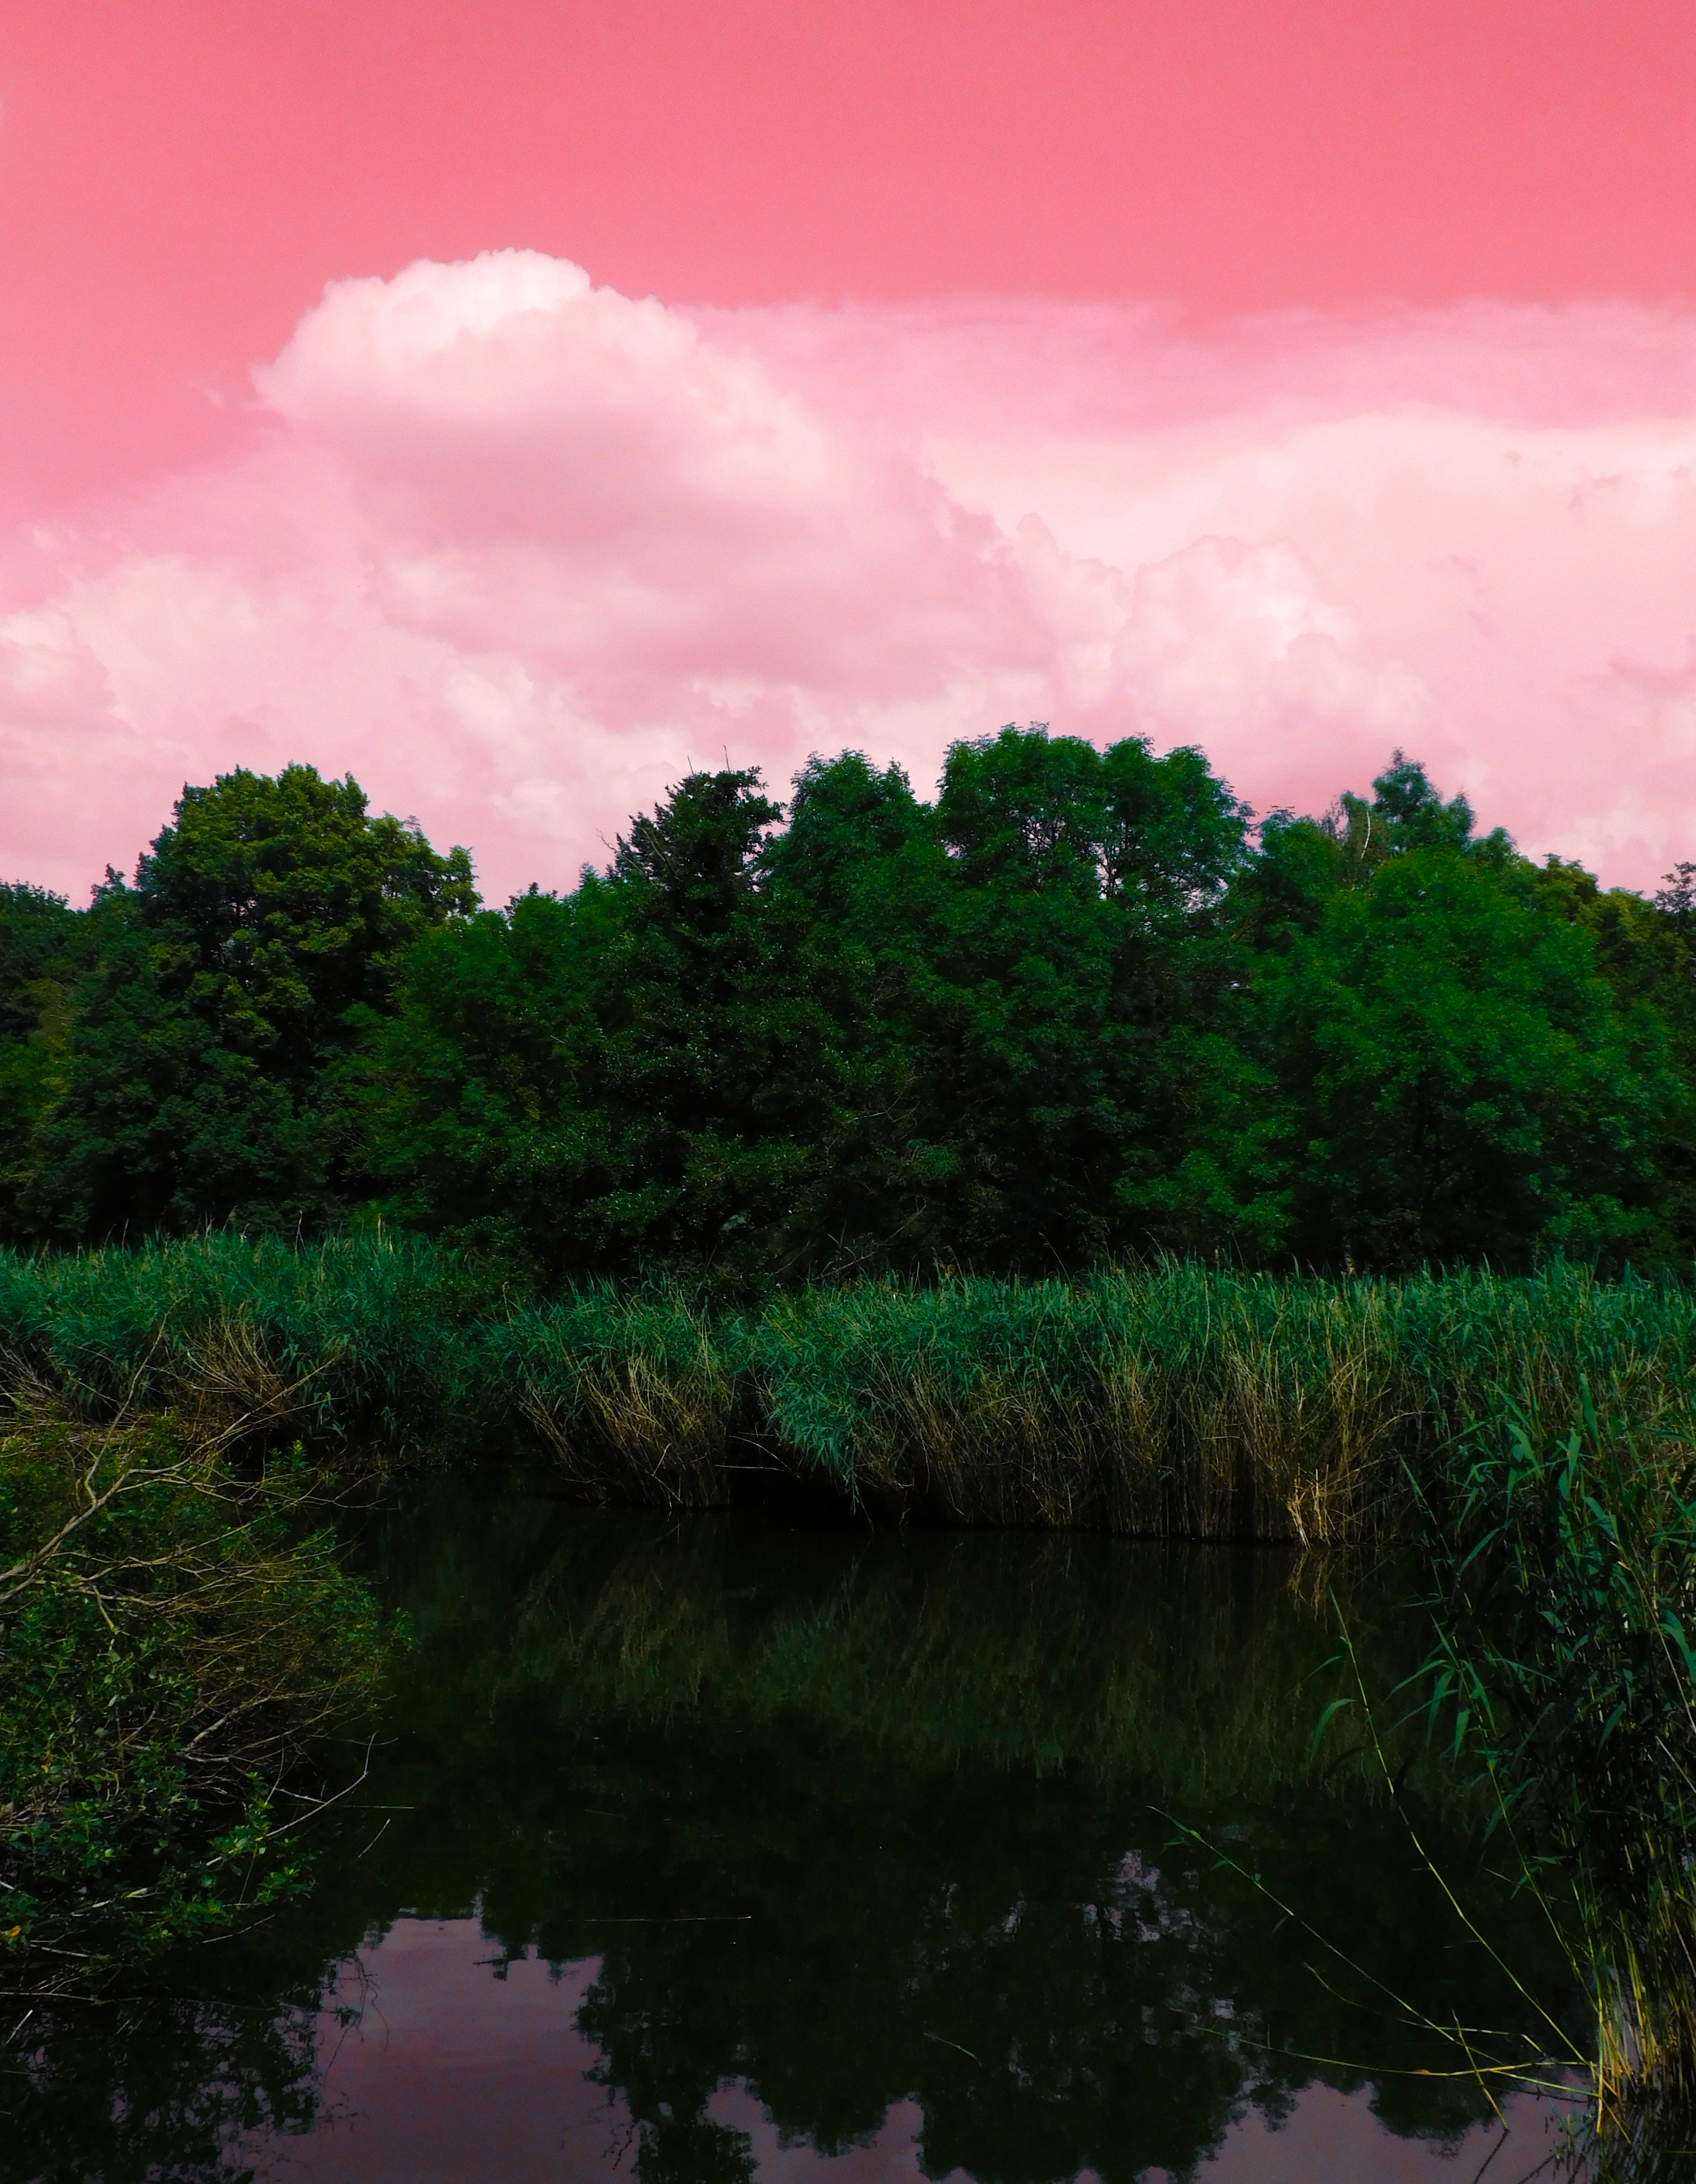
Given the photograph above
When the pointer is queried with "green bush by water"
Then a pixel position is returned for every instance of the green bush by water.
(174, 1638)
(176, 1635)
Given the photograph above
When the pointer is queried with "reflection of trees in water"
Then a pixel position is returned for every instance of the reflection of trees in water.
(887, 1804)
(989, 1947)
(924, 1765)
(154, 2088)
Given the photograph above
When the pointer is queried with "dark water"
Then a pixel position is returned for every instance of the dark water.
(725, 1848)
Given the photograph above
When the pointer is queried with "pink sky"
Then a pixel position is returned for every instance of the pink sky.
(1295, 380)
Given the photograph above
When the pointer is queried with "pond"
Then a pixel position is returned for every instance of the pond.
(739, 1846)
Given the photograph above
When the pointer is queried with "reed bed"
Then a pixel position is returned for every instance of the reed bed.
(376, 1335)
(1178, 1401)
(635, 1397)
(1565, 1570)
(1181, 1403)
(1189, 1403)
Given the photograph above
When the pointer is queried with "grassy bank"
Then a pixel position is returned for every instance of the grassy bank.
(1178, 1401)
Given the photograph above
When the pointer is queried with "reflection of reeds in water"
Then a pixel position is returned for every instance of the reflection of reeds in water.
(1197, 1676)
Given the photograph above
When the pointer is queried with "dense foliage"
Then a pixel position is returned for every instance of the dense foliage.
(1078, 1007)
(40, 952)
(172, 1637)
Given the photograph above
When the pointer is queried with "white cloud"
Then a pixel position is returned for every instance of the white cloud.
(517, 549)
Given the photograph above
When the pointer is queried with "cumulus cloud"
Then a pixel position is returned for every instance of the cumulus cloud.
(516, 550)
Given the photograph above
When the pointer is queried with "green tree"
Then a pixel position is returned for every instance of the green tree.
(208, 1075)
(884, 1034)
(1029, 981)
(1457, 1079)
(1063, 1012)
(1078, 1064)
(636, 1075)
(40, 941)
(855, 879)
(1645, 948)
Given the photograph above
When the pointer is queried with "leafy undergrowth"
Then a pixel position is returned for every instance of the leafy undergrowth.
(176, 1638)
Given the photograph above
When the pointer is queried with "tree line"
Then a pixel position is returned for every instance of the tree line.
(1079, 1007)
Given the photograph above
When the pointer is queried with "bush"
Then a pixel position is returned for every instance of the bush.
(173, 1638)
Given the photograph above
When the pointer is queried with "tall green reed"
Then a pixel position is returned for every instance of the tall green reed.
(1180, 1402)
(1564, 1572)
(1188, 1401)
(637, 1395)
(1177, 1399)
(377, 1335)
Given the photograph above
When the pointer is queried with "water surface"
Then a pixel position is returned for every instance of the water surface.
(729, 1846)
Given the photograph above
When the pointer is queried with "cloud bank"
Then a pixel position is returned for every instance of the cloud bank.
(516, 551)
